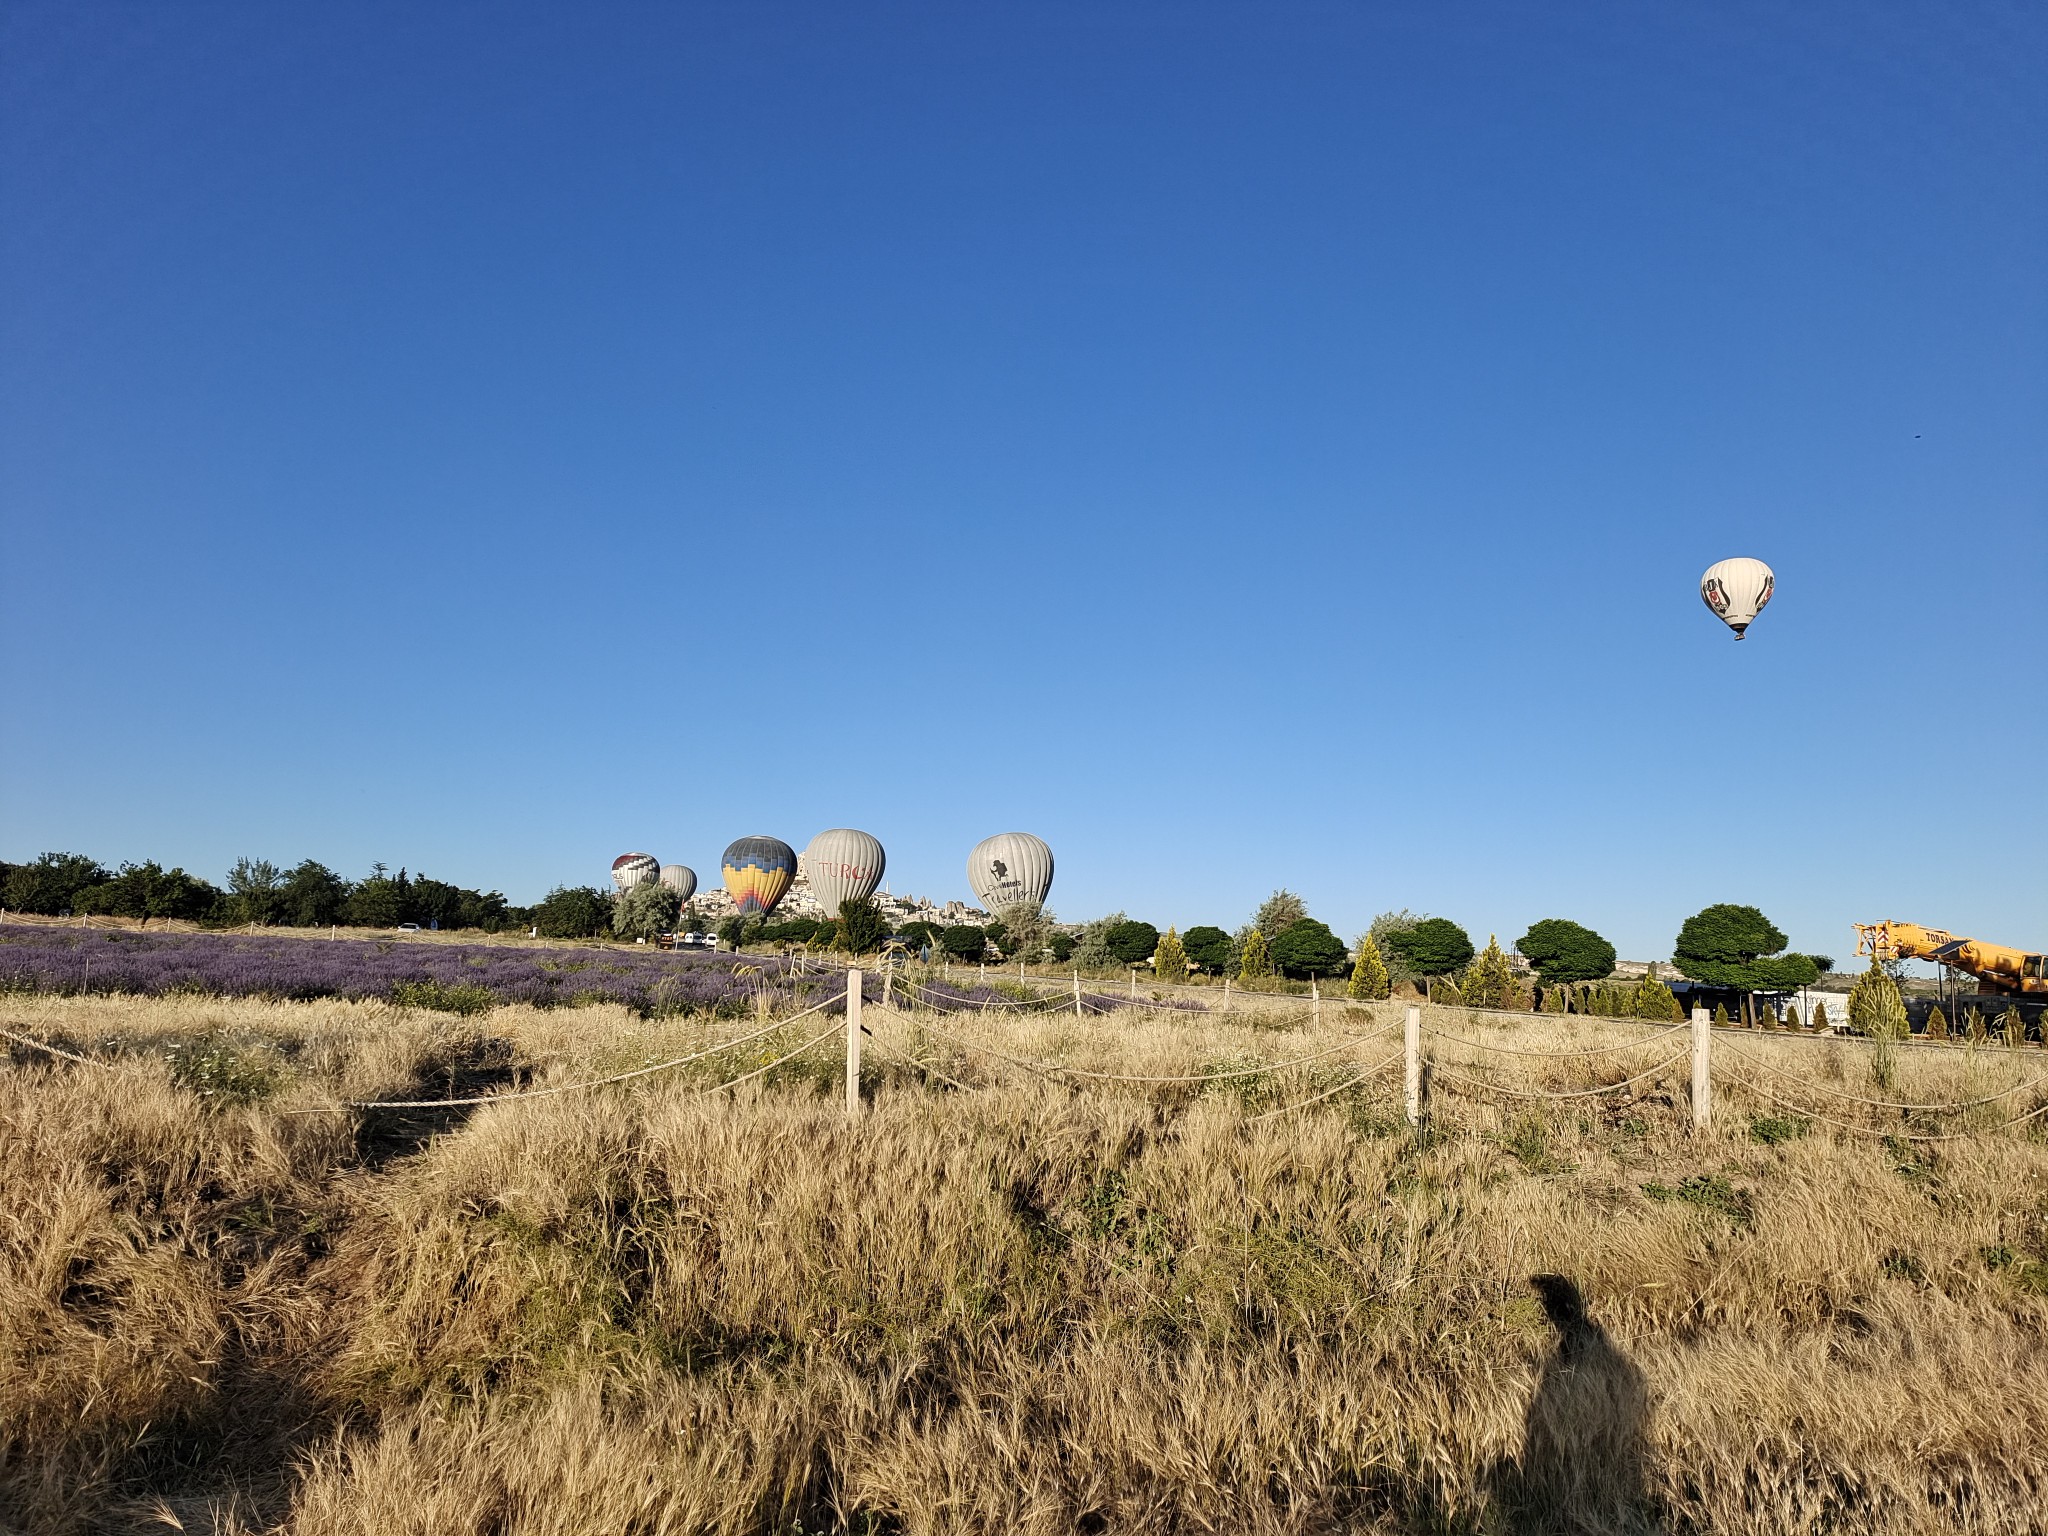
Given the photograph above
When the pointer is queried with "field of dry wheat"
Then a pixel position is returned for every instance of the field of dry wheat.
(1001, 1299)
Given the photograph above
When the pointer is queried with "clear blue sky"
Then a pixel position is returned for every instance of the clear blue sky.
(1247, 445)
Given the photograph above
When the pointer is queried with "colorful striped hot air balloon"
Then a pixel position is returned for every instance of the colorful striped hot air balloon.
(757, 873)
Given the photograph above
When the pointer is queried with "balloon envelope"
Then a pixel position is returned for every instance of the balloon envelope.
(1737, 590)
(843, 865)
(631, 869)
(681, 879)
(757, 872)
(1008, 868)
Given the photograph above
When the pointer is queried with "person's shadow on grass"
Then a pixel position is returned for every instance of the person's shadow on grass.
(1585, 1438)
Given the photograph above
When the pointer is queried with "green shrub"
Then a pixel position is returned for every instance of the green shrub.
(1720, 1016)
(443, 997)
(1937, 1023)
(1487, 982)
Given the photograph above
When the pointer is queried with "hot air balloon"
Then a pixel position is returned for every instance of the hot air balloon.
(757, 872)
(631, 869)
(681, 879)
(843, 865)
(1737, 590)
(1008, 868)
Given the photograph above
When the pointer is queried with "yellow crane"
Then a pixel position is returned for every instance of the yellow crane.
(2000, 971)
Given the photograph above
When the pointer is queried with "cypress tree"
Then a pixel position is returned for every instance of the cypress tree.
(1654, 1000)
(1170, 959)
(1937, 1023)
(1819, 1022)
(1256, 962)
(1720, 1015)
(1488, 982)
(1368, 973)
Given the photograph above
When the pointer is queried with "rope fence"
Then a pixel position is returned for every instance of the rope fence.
(1899, 1118)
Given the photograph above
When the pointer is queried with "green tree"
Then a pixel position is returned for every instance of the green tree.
(1734, 946)
(861, 926)
(1254, 962)
(918, 934)
(1306, 948)
(1170, 959)
(312, 896)
(1062, 946)
(1562, 950)
(1819, 1022)
(1279, 912)
(383, 901)
(50, 884)
(256, 891)
(1132, 941)
(964, 941)
(1093, 950)
(1381, 932)
(1433, 946)
(1026, 931)
(1368, 972)
(148, 890)
(1208, 946)
(735, 931)
(570, 912)
(1489, 982)
(1937, 1023)
(1720, 1016)
(646, 911)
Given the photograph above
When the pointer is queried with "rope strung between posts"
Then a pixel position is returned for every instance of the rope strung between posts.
(1584, 1093)
(822, 1035)
(911, 1061)
(1598, 1050)
(1058, 1072)
(1955, 1107)
(58, 1050)
(1328, 1093)
(1897, 1133)
(596, 1082)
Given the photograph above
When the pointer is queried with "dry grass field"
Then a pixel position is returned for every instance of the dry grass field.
(996, 1302)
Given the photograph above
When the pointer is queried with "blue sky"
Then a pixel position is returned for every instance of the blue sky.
(1246, 445)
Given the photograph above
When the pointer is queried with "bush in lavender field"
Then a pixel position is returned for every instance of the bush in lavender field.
(448, 977)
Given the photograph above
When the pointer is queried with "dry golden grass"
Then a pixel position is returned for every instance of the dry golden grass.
(1017, 1306)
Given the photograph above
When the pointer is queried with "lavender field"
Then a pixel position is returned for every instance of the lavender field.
(465, 976)
(456, 977)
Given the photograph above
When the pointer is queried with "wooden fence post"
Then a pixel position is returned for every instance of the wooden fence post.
(1134, 983)
(853, 1001)
(1411, 1057)
(1226, 994)
(1702, 1069)
(1077, 993)
(1315, 1003)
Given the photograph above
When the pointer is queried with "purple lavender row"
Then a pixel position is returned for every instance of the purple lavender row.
(260, 965)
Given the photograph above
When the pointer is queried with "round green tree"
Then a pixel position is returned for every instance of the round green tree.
(1208, 946)
(1436, 946)
(1306, 948)
(1562, 950)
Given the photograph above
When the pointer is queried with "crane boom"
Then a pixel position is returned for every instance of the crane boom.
(1999, 969)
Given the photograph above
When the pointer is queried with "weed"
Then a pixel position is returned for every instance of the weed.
(1776, 1130)
(1708, 1192)
(443, 997)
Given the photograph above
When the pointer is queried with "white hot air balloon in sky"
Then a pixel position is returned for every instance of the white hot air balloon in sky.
(1008, 868)
(681, 879)
(843, 865)
(631, 869)
(1736, 590)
